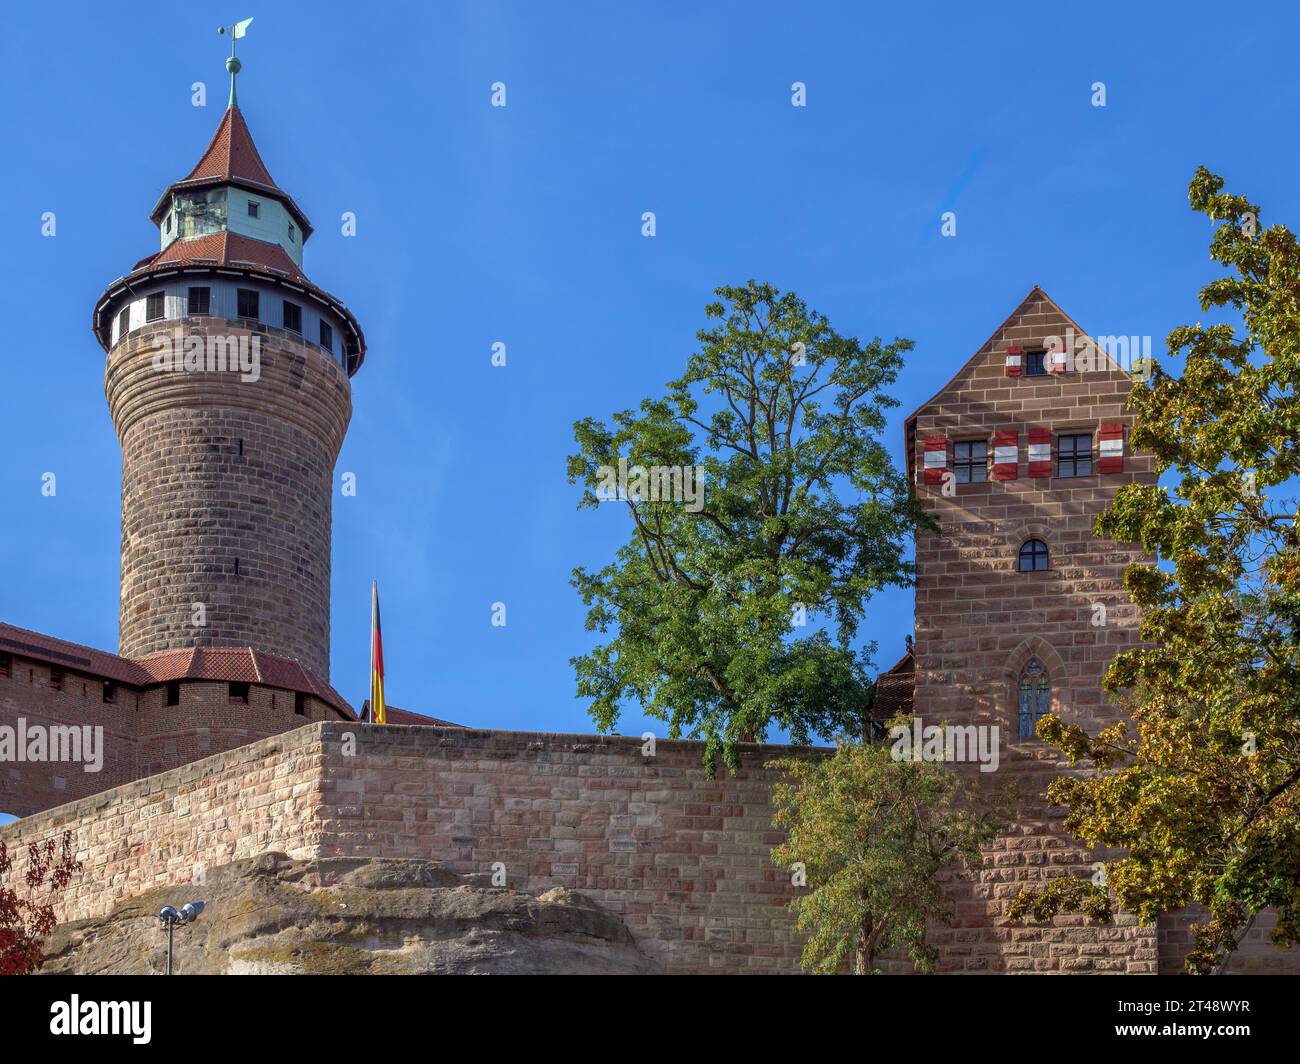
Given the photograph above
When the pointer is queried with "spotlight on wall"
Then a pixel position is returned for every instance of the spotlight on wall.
(170, 919)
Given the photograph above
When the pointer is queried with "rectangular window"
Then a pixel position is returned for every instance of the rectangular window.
(293, 233)
(1074, 456)
(1036, 364)
(6, 665)
(110, 692)
(327, 337)
(56, 678)
(292, 316)
(239, 693)
(174, 693)
(154, 306)
(248, 303)
(252, 208)
(300, 704)
(970, 461)
(200, 300)
(124, 322)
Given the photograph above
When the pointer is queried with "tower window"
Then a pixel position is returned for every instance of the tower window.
(200, 300)
(248, 303)
(6, 665)
(174, 693)
(239, 693)
(1035, 691)
(293, 233)
(1074, 456)
(110, 692)
(292, 316)
(327, 337)
(1036, 364)
(253, 206)
(56, 678)
(124, 322)
(300, 704)
(970, 461)
(1033, 556)
(155, 306)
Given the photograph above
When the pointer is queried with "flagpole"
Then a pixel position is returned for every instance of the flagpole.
(374, 606)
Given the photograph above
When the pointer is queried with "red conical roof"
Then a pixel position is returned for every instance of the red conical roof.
(232, 154)
(232, 159)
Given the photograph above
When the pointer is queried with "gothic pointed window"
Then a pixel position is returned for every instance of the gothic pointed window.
(1035, 696)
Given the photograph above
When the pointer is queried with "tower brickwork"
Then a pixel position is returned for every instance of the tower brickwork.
(1020, 606)
(228, 383)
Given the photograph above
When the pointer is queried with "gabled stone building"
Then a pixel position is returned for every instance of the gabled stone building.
(1020, 607)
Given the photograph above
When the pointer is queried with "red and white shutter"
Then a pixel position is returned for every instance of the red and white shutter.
(1110, 448)
(936, 458)
(1040, 452)
(1006, 454)
(1057, 358)
(1015, 361)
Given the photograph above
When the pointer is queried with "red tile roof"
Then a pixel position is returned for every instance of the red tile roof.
(407, 716)
(72, 655)
(232, 154)
(233, 159)
(237, 664)
(894, 689)
(223, 249)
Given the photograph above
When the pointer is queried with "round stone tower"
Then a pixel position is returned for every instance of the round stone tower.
(228, 382)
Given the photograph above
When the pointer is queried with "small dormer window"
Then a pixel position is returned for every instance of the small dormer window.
(253, 207)
(293, 233)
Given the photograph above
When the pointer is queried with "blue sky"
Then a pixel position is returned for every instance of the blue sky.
(522, 225)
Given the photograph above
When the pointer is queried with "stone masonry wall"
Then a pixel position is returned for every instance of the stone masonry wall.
(685, 860)
(226, 494)
(170, 827)
(142, 735)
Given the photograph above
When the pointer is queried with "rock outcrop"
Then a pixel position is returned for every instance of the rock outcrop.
(272, 915)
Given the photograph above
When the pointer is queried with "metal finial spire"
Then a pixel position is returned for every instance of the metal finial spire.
(237, 30)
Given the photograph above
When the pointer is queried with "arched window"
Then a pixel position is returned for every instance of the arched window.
(1035, 696)
(1033, 556)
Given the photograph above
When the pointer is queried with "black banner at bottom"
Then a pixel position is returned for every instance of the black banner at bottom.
(140, 1014)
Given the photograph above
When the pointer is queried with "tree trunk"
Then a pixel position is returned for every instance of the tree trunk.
(864, 961)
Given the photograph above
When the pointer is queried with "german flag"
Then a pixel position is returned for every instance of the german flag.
(378, 712)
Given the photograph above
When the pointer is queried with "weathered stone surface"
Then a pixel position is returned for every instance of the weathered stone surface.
(272, 915)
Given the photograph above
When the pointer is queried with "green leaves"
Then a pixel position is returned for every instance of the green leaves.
(1206, 793)
(739, 613)
(875, 836)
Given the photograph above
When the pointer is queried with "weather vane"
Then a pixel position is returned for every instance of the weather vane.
(237, 30)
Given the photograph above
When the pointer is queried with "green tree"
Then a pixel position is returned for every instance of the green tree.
(802, 516)
(875, 836)
(1203, 788)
